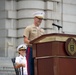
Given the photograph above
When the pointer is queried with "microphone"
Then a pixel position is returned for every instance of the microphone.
(56, 25)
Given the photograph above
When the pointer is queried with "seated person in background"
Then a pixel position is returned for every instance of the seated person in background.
(21, 61)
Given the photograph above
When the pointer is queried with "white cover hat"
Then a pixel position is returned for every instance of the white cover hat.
(39, 14)
(22, 46)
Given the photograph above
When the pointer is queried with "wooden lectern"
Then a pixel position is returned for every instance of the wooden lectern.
(50, 56)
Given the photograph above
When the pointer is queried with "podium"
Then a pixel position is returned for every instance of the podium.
(50, 56)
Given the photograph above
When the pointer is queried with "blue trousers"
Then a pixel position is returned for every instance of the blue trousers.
(30, 61)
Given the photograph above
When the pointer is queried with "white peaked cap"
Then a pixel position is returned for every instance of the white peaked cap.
(39, 14)
(22, 46)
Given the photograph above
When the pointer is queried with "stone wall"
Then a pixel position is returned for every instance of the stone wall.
(15, 15)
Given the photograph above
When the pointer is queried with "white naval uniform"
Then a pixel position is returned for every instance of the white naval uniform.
(20, 59)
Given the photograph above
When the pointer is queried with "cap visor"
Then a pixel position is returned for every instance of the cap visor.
(39, 16)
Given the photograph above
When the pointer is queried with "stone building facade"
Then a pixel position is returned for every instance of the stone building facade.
(15, 15)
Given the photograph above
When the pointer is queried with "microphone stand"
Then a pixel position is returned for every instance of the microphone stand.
(57, 26)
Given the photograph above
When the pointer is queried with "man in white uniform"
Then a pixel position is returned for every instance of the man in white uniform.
(21, 61)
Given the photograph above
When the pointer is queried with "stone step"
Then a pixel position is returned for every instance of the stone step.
(6, 66)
